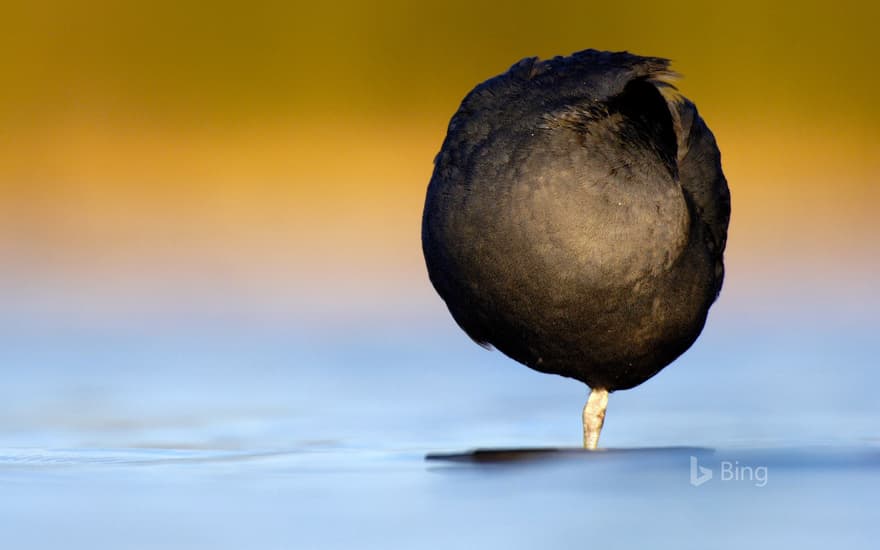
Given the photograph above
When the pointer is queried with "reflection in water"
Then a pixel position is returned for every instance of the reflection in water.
(574, 453)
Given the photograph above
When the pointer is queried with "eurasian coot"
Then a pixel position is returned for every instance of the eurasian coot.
(576, 220)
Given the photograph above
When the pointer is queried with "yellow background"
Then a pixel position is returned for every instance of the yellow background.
(271, 158)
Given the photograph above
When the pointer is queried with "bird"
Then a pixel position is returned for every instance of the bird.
(576, 220)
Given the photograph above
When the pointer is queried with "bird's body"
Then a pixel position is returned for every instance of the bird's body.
(577, 217)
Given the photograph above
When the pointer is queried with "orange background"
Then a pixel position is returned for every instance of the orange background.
(269, 161)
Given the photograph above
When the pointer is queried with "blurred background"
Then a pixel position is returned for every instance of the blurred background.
(180, 182)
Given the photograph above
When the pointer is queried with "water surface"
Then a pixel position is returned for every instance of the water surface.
(230, 437)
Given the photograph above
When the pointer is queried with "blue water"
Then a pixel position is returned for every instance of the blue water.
(223, 435)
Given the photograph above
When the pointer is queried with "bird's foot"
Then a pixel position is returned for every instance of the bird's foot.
(594, 417)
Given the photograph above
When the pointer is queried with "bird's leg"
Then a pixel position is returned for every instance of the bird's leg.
(594, 416)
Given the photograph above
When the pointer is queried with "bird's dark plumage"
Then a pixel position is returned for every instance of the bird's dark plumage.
(577, 217)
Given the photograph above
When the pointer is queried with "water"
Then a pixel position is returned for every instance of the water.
(348, 498)
(228, 436)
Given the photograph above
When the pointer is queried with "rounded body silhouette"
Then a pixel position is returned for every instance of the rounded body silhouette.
(577, 216)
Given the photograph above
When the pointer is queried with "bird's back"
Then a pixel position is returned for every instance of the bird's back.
(577, 216)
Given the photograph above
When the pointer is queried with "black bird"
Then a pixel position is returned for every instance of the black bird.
(576, 220)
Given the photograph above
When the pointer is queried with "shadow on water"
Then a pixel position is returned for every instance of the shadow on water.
(526, 455)
(843, 458)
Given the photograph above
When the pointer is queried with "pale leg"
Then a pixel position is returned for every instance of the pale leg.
(594, 417)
